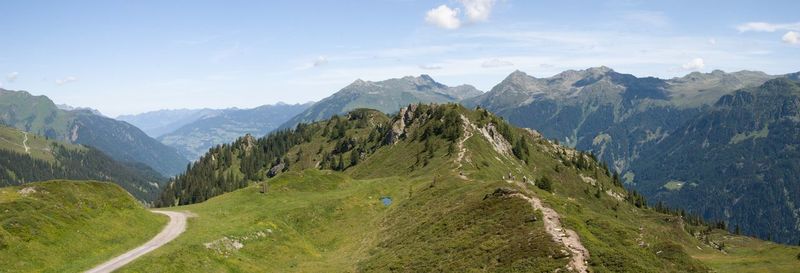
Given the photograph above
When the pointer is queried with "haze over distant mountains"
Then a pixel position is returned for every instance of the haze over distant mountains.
(713, 134)
(193, 131)
(120, 140)
(719, 145)
(159, 122)
(386, 96)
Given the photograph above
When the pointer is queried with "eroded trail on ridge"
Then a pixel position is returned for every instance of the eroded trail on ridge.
(462, 151)
(25, 143)
(567, 237)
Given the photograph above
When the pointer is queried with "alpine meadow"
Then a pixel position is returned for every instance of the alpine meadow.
(400, 136)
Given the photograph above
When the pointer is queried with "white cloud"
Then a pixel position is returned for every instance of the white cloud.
(430, 67)
(767, 27)
(694, 64)
(444, 17)
(66, 80)
(11, 77)
(320, 61)
(792, 37)
(478, 10)
(496, 63)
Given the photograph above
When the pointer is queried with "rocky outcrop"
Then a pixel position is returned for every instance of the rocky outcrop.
(398, 130)
(248, 142)
(275, 170)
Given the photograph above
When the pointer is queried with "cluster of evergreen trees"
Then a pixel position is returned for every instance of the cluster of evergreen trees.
(343, 143)
(348, 150)
(229, 167)
(86, 164)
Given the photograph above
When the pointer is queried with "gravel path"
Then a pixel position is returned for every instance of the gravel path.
(567, 237)
(176, 226)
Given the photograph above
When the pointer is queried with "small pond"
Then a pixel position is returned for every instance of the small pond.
(387, 200)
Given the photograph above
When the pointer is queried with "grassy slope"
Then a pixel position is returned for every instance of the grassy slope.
(68, 226)
(746, 254)
(334, 222)
(320, 220)
(38, 114)
(40, 148)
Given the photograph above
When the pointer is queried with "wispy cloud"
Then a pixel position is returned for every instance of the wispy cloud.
(791, 36)
(767, 27)
(320, 61)
(430, 67)
(227, 53)
(11, 77)
(650, 18)
(66, 80)
(496, 63)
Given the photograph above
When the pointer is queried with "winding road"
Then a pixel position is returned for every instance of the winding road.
(176, 226)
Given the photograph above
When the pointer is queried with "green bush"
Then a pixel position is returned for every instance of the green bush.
(545, 183)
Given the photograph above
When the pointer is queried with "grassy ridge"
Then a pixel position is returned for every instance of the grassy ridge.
(315, 220)
(68, 226)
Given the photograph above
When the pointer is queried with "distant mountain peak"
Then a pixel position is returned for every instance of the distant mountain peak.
(592, 72)
(67, 107)
(600, 70)
(517, 77)
(424, 80)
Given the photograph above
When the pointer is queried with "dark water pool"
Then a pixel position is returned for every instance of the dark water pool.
(386, 200)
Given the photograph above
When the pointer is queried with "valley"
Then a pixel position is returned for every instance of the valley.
(400, 136)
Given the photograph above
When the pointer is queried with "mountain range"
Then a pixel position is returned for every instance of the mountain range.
(672, 172)
(120, 140)
(432, 188)
(701, 142)
(193, 131)
(728, 137)
(160, 122)
(386, 96)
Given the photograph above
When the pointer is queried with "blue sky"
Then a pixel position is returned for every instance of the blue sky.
(132, 56)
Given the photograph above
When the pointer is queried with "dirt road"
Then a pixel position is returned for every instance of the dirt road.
(176, 226)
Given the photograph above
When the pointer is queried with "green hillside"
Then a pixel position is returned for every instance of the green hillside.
(434, 188)
(69, 226)
(25, 157)
(742, 154)
(120, 140)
